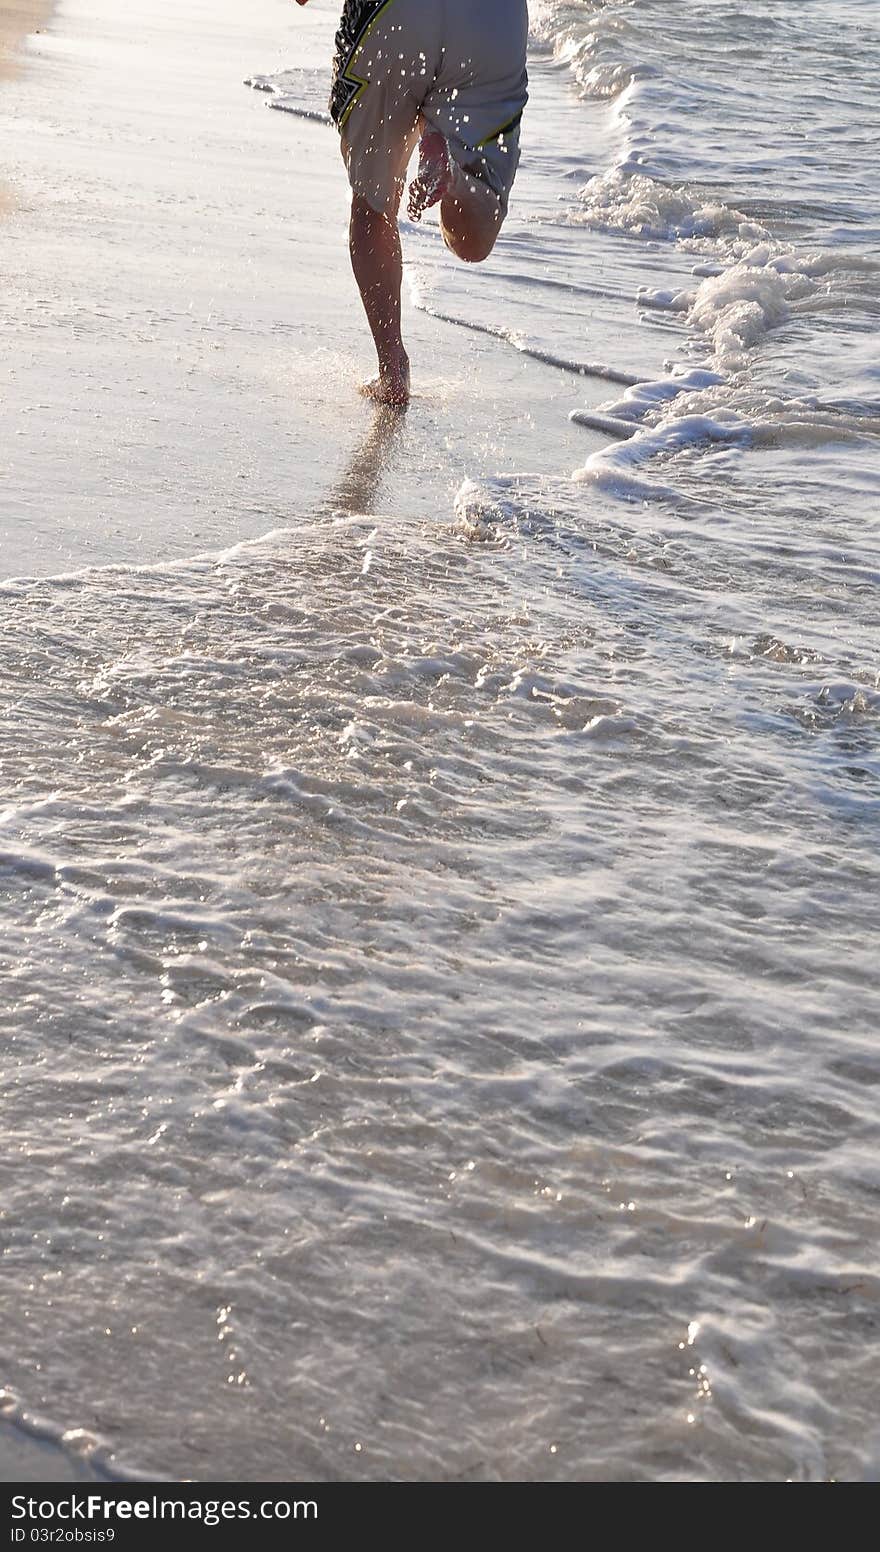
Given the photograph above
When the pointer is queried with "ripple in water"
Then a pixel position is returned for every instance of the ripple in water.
(439, 1000)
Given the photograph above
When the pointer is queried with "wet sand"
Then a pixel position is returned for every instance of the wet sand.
(18, 18)
(185, 337)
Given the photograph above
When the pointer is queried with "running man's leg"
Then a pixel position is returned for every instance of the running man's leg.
(377, 261)
(471, 217)
(466, 87)
(471, 213)
(386, 52)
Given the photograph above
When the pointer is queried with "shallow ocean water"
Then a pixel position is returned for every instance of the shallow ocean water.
(426, 1021)
(439, 958)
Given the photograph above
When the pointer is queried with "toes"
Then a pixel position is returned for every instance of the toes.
(417, 199)
(383, 391)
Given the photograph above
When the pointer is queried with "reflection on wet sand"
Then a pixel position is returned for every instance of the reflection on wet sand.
(18, 18)
(359, 484)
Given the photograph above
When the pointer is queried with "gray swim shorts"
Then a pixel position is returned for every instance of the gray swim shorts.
(461, 64)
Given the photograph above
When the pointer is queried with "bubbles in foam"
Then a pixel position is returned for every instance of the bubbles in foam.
(626, 200)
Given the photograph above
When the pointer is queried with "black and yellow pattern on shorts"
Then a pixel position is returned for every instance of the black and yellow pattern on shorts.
(357, 19)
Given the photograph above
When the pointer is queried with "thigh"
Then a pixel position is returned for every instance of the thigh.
(386, 57)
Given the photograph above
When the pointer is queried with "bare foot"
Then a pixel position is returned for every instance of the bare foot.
(434, 178)
(392, 384)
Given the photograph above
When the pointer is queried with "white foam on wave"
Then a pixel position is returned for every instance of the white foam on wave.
(80, 1444)
(681, 132)
(734, 310)
(600, 66)
(648, 426)
(612, 468)
(627, 200)
(730, 312)
(736, 305)
(697, 407)
(640, 398)
(747, 286)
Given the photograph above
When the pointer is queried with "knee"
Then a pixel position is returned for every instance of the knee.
(470, 247)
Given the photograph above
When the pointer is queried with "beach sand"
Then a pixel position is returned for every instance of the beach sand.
(18, 18)
(184, 338)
